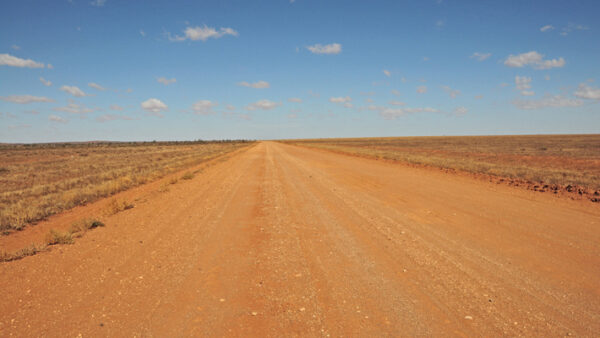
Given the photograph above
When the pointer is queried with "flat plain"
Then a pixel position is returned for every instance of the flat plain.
(551, 163)
(277, 239)
(40, 180)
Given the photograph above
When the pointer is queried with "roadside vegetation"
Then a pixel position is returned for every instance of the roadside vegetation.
(39, 180)
(569, 161)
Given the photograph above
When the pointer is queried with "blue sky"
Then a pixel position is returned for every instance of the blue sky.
(180, 70)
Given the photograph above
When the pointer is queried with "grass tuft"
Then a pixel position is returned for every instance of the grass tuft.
(187, 176)
(59, 237)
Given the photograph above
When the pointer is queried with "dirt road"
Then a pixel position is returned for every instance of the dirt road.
(282, 241)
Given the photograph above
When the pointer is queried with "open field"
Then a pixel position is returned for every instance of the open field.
(543, 162)
(282, 240)
(40, 180)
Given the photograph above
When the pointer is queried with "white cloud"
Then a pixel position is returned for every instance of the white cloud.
(45, 82)
(295, 99)
(340, 99)
(166, 81)
(387, 73)
(153, 105)
(547, 77)
(292, 116)
(74, 108)
(396, 103)
(204, 33)
(204, 107)
(478, 97)
(98, 3)
(263, 105)
(452, 92)
(96, 86)
(547, 101)
(55, 118)
(112, 117)
(425, 58)
(15, 47)
(333, 48)
(348, 105)
(393, 113)
(546, 28)
(396, 92)
(13, 61)
(480, 56)
(460, 111)
(523, 83)
(533, 59)
(256, 85)
(142, 33)
(24, 99)
(73, 90)
(586, 92)
(440, 23)
(422, 89)
(116, 107)
(572, 27)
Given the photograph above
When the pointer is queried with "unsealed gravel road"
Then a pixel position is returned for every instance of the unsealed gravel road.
(281, 240)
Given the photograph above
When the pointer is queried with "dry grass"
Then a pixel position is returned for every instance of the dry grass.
(553, 159)
(40, 180)
(27, 251)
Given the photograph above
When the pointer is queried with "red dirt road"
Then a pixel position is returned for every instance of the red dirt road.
(282, 241)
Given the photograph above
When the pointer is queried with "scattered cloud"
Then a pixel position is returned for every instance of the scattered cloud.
(74, 108)
(480, 56)
(24, 99)
(460, 111)
(295, 99)
(440, 23)
(15, 47)
(342, 100)
(153, 105)
(573, 27)
(166, 81)
(204, 107)
(263, 105)
(393, 113)
(478, 97)
(387, 73)
(73, 90)
(204, 33)
(533, 59)
(333, 48)
(546, 28)
(547, 77)
(396, 103)
(586, 92)
(547, 101)
(292, 116)
(32, 112)
(396, 92)
(116, 107)
(96, 86)
(142, 33)
(113, 117)
(422, 89)
(13, 61)
(98, 3)
(45, 82)
(55, 118)
(523, 83)
(256, 85)
(452, 92)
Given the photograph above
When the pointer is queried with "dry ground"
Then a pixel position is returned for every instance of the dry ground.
(550, 163)
(37, 181)
(280, 240)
